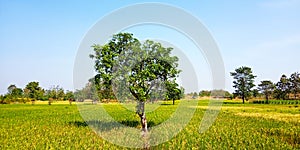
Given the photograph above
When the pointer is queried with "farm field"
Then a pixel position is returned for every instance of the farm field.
(238, 126)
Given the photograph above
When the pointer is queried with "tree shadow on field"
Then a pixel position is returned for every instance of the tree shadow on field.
(232, 103)
(105, 126)
(78, 123)
(166, 104)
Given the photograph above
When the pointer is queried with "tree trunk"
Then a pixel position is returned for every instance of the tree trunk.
(243, 99)
(142, 115)
(143, 122)
(173, 101)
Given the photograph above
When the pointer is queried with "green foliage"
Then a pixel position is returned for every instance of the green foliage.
(295, 84)
(105, 57)
(282, 88)
(255, 93)
(11, 88)
(34, 91)
(14, 94)
(266, 87)
(1, 99)
(243, 82)
(17, 93)
(69, 95)
(204, 93)
(216, 93)
(153, 65)
(172, 93)
(138, 67)
(280, 102)
(56, 93)
(182, 95)
(87, 92)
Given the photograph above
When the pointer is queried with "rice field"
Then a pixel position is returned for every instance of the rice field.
(238, 126)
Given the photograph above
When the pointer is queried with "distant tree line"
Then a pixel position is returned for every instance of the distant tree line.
(33, 92)
(221, 93)
(285, 88)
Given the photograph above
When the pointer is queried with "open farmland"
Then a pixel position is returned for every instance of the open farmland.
(238, 126)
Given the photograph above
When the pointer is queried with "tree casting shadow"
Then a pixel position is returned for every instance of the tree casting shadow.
(106, 126)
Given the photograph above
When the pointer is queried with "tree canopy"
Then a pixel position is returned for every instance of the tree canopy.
(243, 82)
(266, 87)
(33, 90)
(282, 88)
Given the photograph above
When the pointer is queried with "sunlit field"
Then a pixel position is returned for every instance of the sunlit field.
(238, 126)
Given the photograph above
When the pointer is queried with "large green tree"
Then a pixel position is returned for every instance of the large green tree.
(243, 82)
(266, 87)
(149, 66)
(295, 84)
(140, 67)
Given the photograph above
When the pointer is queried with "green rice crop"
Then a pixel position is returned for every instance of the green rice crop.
(238, 126)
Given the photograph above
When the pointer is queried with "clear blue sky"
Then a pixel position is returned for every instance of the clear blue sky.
(39, 39)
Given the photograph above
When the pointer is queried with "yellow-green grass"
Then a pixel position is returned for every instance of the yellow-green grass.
(238, 126)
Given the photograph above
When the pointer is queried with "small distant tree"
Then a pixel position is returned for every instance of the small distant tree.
(91, 90)
(11, 88)
(228, 95)
(60, 94)
(182, 95)
(34, 91)
(204, 93)
(194, 95)
(14, 93)
(282, 88)
(26, 94)
(243, 82)
(69, 95)
(87, 92)
(79, 95)
(173, 92)
(295, 84)
(266, 87)
(1, 99)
